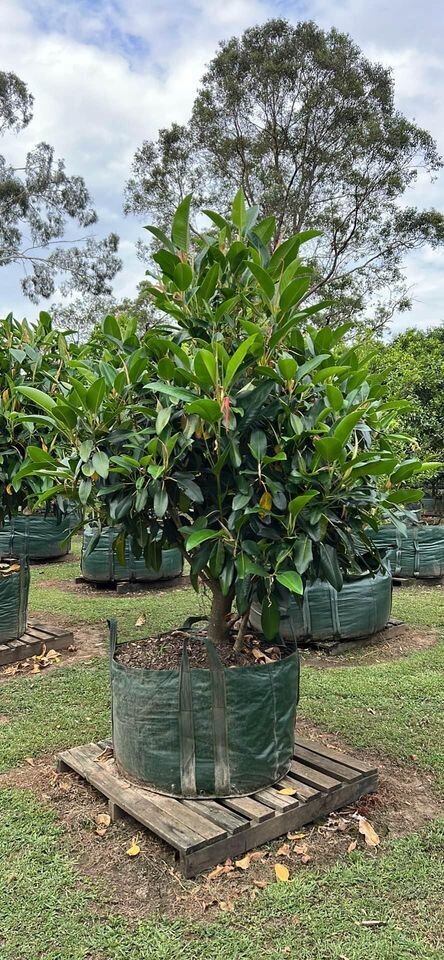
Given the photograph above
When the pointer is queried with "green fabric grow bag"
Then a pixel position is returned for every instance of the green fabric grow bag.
(419, 553)
(14, 590)
(102, 565)
(37, 536)
(204, 732)
(360, 609)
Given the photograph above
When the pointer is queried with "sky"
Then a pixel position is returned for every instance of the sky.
(106, 74)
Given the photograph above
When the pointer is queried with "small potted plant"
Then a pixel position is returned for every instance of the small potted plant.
(256, 444)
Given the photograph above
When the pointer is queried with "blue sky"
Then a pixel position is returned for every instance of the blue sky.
(106, 74)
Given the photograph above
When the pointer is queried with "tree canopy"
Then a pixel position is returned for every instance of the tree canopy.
(37, 202)
(308, 126)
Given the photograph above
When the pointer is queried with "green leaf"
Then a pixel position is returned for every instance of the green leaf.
(328, 373)
(38, 397)
(160, 236)
(270, 618)
(265, 229)
(330, 448)
(330, 565)
(160, 502)
(404, 496)
(183, 276)
(346, 426)
(111, 327)
(287, 367)
(334, 396)
(226, 576)
(239, 210)
(303, 554)
(291, 581)
(163, 418)
(205, 368)
(85, 450)
(209, 284)
(294, 292)
(310, 365)
(85, 487)
(237, 359)
(39, 456)
(263, 278)
(191, 488)
(176, 393)
(206, 409)
(101, 464)
(298, 503)
(405, 470)
(95, 394)
(180, 231)
(258, 444)
(200, 536)
(217, 219)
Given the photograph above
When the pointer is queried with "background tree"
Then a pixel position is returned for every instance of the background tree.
(37, 201)
(412, 368)
(308, 126)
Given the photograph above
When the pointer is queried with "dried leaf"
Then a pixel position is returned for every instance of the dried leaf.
(284, 850)
(260, 655)
(226, 906)
(101, 831)
(342, 825)
(244, 863)
(305, 858)
(260, 883)
(256, 855)
(300, 849)
(282, 873)
(220, 870)
(295, 836)
(30, 761)
(287, 792)
(134, 849)
(103, 819)
(141, 620)
(105, 755)
(370, 836)
(352, 846)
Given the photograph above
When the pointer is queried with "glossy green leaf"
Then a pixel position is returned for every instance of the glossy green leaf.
(298, 503)
(290, 580)
(100, 462)
(270, 618)
(238, 358)
(263, 278)
(330, 565)
(200, 536)
(180, 231)
(239, 210)
(205, 368)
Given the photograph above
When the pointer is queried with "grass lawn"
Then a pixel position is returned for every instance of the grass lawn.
(49, 910)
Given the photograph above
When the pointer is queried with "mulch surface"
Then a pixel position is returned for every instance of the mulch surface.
(165, 652)
(150, 884)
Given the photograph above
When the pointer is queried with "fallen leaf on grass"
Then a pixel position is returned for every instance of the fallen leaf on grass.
(260, 883)
(244, 863)
(103, 819)
(301, 849)
(295, 836)
(141, 620)
(101, 831)
(282, 873)
(30, 760)
(305, 858)
(352, 846)
(370, 836)
(134, 849)
(226, 906)
(284, 850)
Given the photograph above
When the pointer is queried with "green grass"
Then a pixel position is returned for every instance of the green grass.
(49, 912)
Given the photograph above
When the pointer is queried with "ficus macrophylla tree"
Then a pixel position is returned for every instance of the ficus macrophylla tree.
(259, 446)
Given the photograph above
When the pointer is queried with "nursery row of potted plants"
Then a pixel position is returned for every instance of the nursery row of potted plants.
(248, 435)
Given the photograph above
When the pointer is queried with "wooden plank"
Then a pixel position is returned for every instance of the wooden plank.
(337, 770)
(274, 799)
(249, 808)
(136, 802)
(313, 777)
(303, 792)
(214, 811)
(316, 747)
(195, 821)
(260, 833)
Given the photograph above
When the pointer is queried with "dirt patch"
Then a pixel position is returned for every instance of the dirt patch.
(150, 884)
(392, 643)
(88, 642)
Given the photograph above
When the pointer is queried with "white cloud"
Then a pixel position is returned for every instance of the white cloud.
(108, 74)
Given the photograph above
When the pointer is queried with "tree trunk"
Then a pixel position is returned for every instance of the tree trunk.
(218, 626)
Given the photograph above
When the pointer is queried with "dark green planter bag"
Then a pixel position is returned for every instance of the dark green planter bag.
(215, 732)
(360, 609)
(418, 553)
(101, 565)
(37, 536)
(14, 590)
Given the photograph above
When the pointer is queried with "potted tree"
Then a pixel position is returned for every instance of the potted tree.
(256, 444)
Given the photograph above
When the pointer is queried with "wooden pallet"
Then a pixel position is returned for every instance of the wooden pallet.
(414, 581)
(135, 586)
(32, 642)
(206, 832)
(336, 645)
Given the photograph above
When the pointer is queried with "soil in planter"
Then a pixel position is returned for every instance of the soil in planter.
(165, 652)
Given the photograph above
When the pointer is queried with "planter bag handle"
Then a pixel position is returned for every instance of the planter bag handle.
(112, 627)
(186, 720)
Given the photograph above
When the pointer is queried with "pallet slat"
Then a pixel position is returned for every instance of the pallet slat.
(206, 832)
(32, 642)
